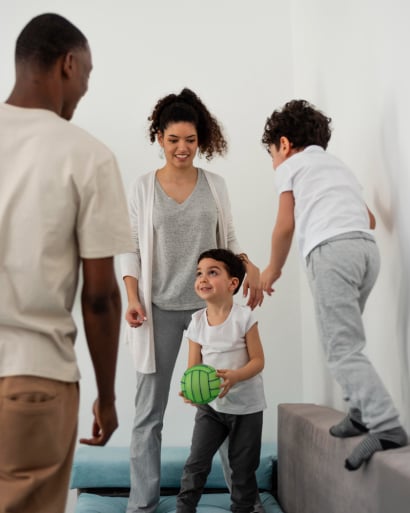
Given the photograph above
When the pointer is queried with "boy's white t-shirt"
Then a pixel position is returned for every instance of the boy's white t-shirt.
(224, 347)
(328, 198)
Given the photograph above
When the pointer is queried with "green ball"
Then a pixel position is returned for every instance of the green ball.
(200, 384)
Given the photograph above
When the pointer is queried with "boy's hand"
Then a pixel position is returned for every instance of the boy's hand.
(185, 399)
(230, 378)
(268, 278)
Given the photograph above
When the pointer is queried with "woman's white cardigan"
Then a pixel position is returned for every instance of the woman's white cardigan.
(141, 340)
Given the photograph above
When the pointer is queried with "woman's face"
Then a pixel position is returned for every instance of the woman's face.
(180, 143)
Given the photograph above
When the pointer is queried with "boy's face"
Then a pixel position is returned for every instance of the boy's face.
(277, 156)
(213, 282)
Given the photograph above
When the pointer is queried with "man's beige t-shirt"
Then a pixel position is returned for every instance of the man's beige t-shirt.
(61, 199)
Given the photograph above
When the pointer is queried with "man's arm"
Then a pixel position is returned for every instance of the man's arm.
(101, 307)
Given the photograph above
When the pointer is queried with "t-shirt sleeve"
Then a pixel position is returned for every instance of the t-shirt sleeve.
(192, 330)
(249, 319)
(103, 223)
(284, 178)
(130, 263)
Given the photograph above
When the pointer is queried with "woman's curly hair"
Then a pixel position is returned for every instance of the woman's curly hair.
(187, 107)
(300, 122)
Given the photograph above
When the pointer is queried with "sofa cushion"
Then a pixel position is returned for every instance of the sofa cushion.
(108, 467)
(209, 503)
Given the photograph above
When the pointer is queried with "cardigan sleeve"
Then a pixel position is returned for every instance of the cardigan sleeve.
(231, 240)
(131, 262)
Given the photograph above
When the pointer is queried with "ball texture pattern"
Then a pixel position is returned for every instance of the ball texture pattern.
(200, 384)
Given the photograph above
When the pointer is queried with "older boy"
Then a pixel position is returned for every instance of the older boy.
(321, 200)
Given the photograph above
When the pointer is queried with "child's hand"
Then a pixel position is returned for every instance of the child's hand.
(268, 278)
(185, 399)
(230, 377)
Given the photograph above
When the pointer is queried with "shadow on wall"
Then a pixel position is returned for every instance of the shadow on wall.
(395, 218)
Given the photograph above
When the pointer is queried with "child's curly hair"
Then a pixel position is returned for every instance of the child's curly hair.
(300, 122)
(187, 107)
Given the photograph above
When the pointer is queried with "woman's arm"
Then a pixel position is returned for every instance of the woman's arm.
(135, 314)
(252, 284)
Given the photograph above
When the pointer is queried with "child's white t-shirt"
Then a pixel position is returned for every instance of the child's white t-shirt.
(328, 198)
(224, 347)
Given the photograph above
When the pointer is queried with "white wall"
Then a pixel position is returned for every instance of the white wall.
(350, 58)
(244, 59)
(226, 51)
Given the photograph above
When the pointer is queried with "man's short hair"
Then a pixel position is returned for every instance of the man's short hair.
(46, 38)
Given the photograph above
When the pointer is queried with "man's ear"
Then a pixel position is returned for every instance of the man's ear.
(67, 64)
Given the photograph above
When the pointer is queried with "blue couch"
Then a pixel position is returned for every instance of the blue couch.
(101, 475)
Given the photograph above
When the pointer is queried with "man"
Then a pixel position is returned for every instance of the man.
(61, 203)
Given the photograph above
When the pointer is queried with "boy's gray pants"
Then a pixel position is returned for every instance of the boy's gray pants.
(342, 272)
(244, 446)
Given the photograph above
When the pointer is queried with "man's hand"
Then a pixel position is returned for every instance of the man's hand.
(104, 425)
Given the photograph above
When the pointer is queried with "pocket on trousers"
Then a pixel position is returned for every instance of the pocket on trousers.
(30, 421)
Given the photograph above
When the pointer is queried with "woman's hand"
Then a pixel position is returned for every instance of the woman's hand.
(135, 314)
(252, 285)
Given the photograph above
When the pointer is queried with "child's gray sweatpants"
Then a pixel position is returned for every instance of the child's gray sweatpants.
(342, 272)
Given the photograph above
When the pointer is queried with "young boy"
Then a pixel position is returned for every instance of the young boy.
(320, 199)
(225, 336)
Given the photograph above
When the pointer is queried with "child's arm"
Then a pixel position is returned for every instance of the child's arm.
(194, 358)
(253, 367)
(194, 353)
(372, 219)
(281, 240)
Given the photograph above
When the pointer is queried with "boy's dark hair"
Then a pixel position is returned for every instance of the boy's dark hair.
(187, 106)
(300, 122)
(233, 263)
(46, 38)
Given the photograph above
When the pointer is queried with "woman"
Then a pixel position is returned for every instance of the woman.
(177, 212)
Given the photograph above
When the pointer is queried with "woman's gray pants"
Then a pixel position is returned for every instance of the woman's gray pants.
(150, 402)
